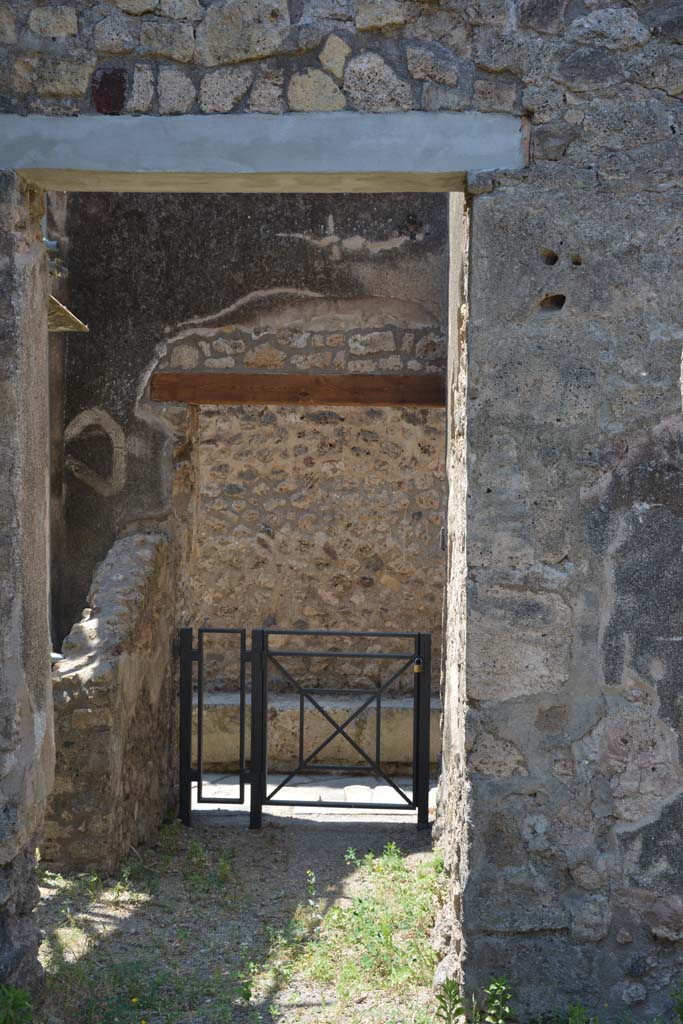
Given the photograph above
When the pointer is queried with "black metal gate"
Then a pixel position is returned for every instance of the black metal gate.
(269, 651)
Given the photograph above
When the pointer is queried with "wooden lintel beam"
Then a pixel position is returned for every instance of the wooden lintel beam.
(298, 388)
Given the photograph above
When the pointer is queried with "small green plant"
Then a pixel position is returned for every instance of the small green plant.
(93, 885)
(497, 997)
(310, 885)
(247, 978)
(677, 1002)
(224, 868)
(496, 1010)
(578, 1014)
(15, 1005)
(197, 855)
(450, 1007)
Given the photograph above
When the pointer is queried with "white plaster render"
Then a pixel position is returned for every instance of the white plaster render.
(255, 152)
(101, 420)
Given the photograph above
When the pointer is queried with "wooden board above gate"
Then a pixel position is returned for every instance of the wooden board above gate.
(298, 388)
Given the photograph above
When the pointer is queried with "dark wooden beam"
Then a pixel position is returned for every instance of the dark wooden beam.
(298, 388)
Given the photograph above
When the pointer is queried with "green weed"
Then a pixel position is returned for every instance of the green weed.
(496, 1009)
(382, 934)
(677, 1002)
(497, 997)
(450, 1007)
(15, 1005)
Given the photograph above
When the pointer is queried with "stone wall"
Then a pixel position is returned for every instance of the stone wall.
(320, 519)
(114, 697)
(266, 56)
(26, 749)
(317, 518)
(573, 553)
(262, 282)
(377, 343)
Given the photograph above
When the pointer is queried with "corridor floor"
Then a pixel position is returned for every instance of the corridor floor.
(296, 923)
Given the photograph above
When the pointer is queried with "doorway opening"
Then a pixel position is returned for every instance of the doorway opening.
(321, 508)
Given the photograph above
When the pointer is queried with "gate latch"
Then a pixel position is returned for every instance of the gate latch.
(417, 665)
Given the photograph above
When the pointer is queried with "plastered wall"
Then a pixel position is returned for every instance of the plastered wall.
(26, 748)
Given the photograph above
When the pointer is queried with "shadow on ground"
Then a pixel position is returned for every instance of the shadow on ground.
(191, 931)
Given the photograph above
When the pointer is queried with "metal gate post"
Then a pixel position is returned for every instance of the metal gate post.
(185, 752)
(258, 727)
(424, 691)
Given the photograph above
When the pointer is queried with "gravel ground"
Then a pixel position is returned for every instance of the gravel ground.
(188, 932)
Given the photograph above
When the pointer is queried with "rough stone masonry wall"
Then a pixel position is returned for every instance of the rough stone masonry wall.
(570, 871)
(330, 520)
(114, 696)
(26, 749)
(317, 518)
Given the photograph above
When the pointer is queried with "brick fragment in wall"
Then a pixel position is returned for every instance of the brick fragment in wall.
(109, 90)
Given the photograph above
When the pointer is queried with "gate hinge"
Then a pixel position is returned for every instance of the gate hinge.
(247, 657)
(195, 654)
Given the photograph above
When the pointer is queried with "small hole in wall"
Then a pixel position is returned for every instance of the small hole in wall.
(549, 257)
(551, 303)
(575, 259)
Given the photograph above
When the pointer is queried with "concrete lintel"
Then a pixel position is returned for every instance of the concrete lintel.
(339, 152)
